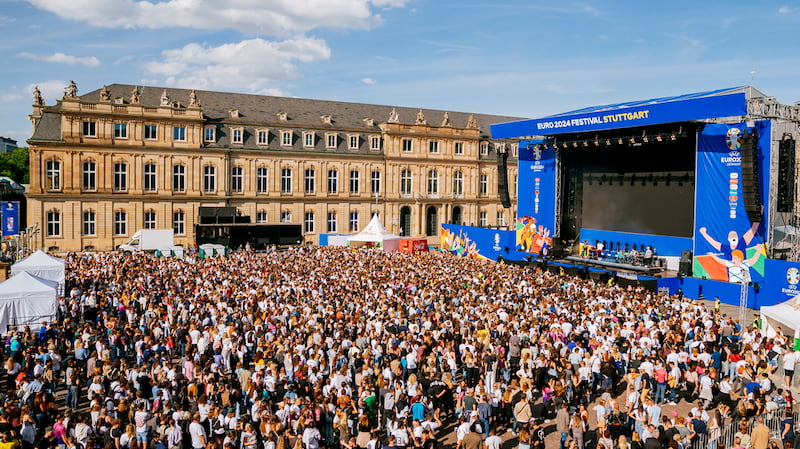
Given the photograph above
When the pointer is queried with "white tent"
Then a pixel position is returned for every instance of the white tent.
(785, 315)
(42, 265)
(376, 234)
(26, 299)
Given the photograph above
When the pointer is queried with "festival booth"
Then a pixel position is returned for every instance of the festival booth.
(42, 265)
(685, 193)
(413, 245)
(27, 300)
(375, 235)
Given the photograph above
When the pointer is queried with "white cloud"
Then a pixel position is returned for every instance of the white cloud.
(271, 17)
(369, 81)
(50, 91)
(62, 58)
(253, 65)
(785, 10)
(8, 97)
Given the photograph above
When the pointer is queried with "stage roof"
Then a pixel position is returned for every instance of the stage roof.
(730, 102)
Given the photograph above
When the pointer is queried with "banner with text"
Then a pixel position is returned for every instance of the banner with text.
(10, 217)
(644, 113)
(477, 242)
(727, 245)
(536, 193)
(782, 281)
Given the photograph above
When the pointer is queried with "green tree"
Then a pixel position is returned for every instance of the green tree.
(15, 165)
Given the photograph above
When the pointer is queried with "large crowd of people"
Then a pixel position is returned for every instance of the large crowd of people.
(334, 348)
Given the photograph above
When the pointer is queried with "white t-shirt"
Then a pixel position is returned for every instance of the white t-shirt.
(196, 431)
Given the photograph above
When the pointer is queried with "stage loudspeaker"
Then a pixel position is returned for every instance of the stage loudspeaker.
(502, 178)
(751, 192)
(786, 174)
(557, 251)
(685, 266)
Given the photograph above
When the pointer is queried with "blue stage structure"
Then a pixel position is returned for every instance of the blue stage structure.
(688, 176)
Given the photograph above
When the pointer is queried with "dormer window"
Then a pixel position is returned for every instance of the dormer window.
(282, 116)
(119, 100)
(176, 105)
(234, 113)
(326, 119)
(238, 135)
(369, 122)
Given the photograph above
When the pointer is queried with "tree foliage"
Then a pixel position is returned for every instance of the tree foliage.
(15, 165)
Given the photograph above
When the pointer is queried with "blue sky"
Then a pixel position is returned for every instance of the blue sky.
(516, 58)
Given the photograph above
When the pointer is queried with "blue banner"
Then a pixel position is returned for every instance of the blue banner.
(782, 280)
(728, 246)
(644, 113)
(476, 242)
(10, 214)
(536, 193)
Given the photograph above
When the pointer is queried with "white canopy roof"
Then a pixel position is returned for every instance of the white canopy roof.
(786, 315)
(42, 265)
(26, 299)
(373, 232)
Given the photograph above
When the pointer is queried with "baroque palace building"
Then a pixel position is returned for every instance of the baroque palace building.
(122, 158)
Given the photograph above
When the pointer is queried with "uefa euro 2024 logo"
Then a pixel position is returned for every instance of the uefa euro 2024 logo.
(732, 139)
(793, 276)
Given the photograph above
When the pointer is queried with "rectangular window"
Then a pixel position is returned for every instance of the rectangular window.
(237, 176)
(53, 175)
(286, 138)
(120, 130)
(308, 222)
(405, 182)
(151, 132)
(310, 181)
(484, 185)
(120, 177)
(333, 181)
(53, 223)
(179, 178)
(353, 221)
(261, 180)
(458, 184)
(433, 182)
(120, 223)
(89, 183)
(150, 219)
(355, 178)
(262, 137)
(482, 221)
(408, 145)
(433, 146)
(375, 143)
(484, 148)
(286, 217)
(261, 216)
(179, 133)
(238, 135)
(331, 221)
(375, 182)
(179, 223)
(308, 140)
(331, 140)
(209, 179)
(501, 218)
(89, 129)
(89, 227)
(209, 134)
(286, 180)
(459, 148)
(353, 143)
(150, 177)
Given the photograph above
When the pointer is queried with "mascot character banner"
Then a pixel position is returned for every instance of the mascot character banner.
(536, 192)
(727, 245)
